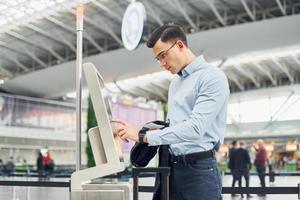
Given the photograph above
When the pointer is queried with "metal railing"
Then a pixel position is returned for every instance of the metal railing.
(29, 184)
(165, 172)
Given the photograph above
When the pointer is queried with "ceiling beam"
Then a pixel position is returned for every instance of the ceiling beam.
(281, 6)
(67, 40)
(73, 31)
(93, 42)
(234, 13)
(36, 44)
(263, 10)
(248, 74)
(50, 36)
(198, 12)
(7, 72)
(264, 71)
(24, 52)
(248, 10)
(107, 10)
(109, 30)
(235, 79)
(296, 60)
(14, 60)
(61, 24)
(96, 25)
(152, 13)
(164, 10)
(284, 69)
(178, 6)
(35, 58)
(212, 6)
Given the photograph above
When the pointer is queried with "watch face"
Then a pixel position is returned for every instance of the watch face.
(141, 136)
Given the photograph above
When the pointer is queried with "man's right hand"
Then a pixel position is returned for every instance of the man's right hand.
(126, 131)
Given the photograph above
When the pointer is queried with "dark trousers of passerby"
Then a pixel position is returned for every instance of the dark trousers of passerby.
(271, 174)
(261, 170)
(242, 173)
(41, 173)
(234, 178)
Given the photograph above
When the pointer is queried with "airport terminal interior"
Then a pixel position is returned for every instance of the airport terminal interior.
(69, 67)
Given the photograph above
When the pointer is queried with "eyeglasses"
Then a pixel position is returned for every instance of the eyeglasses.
(164, 53)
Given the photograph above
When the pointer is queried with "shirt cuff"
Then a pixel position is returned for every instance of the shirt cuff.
(153, 137)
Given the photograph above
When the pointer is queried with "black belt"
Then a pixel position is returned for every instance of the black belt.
(193, 157)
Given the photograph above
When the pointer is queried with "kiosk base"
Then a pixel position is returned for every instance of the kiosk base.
(107, 191)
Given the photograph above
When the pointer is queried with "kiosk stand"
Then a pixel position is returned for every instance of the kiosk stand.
(105, 147)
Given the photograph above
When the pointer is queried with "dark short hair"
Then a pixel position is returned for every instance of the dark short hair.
(234, 142)
(167, 32)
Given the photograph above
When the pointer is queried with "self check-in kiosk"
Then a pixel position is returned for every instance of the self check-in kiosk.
(106, 149)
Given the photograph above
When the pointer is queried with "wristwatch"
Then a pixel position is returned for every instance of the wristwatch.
(142, 133)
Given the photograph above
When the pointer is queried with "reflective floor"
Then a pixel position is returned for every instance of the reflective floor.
(43, 193)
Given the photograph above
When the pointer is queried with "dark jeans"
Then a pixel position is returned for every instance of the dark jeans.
(198, 181)
(261, 170)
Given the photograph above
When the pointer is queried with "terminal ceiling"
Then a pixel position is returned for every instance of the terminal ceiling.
(255, 42)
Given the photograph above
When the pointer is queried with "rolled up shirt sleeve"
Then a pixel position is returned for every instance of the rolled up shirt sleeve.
(213, 95)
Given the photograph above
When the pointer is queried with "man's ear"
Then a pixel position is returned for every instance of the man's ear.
(180, 44)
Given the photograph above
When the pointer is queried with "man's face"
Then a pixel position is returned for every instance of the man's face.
(169, 55)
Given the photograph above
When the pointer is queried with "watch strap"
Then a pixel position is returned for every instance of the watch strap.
(142, 133)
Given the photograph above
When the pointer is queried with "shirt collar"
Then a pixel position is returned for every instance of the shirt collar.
(192, 67)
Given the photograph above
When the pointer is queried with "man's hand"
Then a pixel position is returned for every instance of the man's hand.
(126, 131)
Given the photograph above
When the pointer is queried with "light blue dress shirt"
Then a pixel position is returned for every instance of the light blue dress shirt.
(197, 110)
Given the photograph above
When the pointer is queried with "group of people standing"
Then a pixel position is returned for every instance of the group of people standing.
(45, 164)
(240, 163)
(8, 168)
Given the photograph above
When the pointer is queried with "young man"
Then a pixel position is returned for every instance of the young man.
(241, 163)
(234, 147)
(197, 106)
